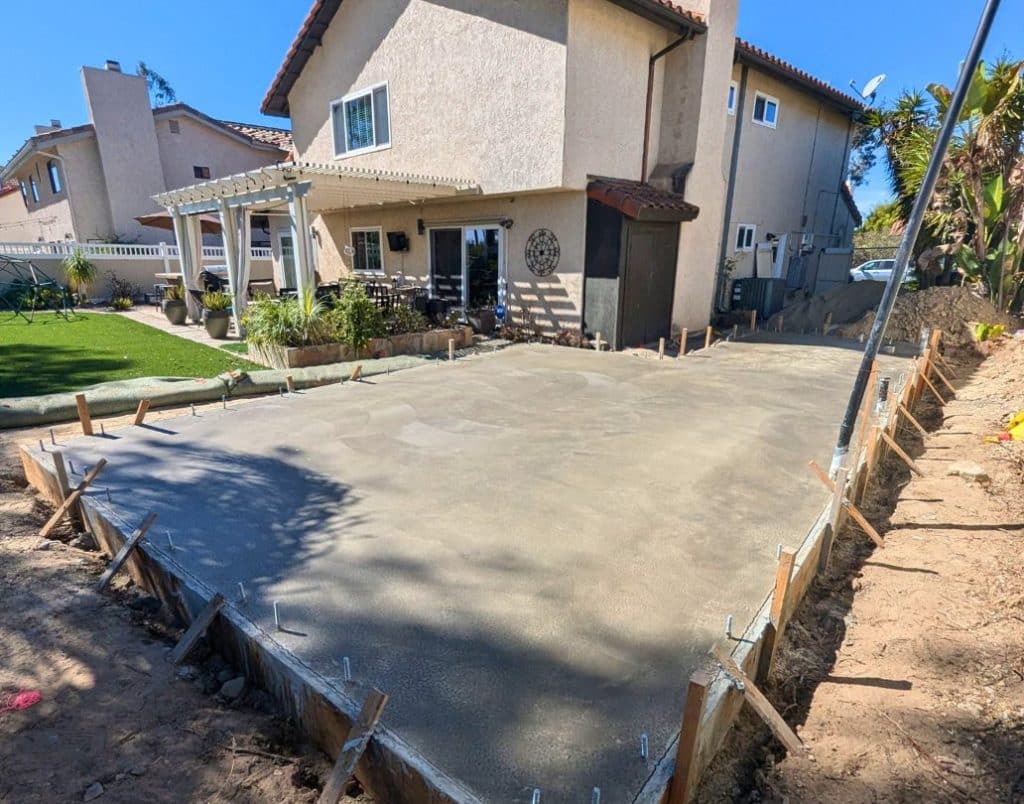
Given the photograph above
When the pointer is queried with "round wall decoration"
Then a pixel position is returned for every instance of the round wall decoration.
(542, 252)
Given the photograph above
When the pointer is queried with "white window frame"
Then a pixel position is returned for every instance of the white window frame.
(767, 99)
(373, 121)
(732, 97)
(749, 238)
(380, 234)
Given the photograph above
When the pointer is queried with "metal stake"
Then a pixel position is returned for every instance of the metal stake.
(728, 627)
(103, 430)
(241, 592)
(277, 617)
(224, 401)
(41, 447)
(280, 390)
(778, 552)
(644, 747)
(170, 541)
(346, 668)
(536, 796)
(193, 406)
(108, 497)
(595, 796)
(53, 439)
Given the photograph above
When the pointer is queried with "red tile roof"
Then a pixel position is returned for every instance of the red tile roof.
(641, 201)
(279, 138)
(8, 187)
(762, 58)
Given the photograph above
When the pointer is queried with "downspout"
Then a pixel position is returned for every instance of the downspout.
(843, 171)
(730, 191)
(650, 97)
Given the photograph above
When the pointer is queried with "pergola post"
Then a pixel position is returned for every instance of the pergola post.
(299, 213)
(188, 233)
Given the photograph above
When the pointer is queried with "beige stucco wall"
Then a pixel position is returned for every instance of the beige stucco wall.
(555, 301)
(49, 219)
(199, 144)
(476, 88)
(609, 53)
(120, 112)
(87, 190)
(788, 178)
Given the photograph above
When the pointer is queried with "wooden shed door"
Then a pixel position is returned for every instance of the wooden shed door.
(649, 273)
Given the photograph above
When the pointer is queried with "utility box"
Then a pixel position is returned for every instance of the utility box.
(767, 296)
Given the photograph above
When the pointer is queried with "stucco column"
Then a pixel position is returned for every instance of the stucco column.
(298, 214)
(230, 237)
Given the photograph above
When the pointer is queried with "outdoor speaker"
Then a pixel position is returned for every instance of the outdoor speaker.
(398, 241)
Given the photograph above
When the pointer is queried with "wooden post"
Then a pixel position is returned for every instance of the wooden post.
(72, 498)
(851, 509)
(290, 383)
(661, 348)
(901, 408)
(683, 335)
(83, 414)
(931, 387)
(761, 705)
(597, 341)
(945, 364)
(783, 575)
(684, 778)
(707, 336)
(122, 555)
(65, 488)
(197, 629)
(943, 379)
(451, 349)
(888, 439)
(140, 413)
(782, 320)
(753, 320)
(356, 374)
(353, 747)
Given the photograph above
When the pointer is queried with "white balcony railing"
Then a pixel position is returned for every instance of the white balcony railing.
(115, 251)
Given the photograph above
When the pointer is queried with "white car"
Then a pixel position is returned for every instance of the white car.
(878, 271)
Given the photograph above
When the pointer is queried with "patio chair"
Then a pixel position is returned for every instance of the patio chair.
(262, 287)
(211, 281)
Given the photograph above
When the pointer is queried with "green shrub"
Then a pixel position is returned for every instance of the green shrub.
(358, 318)
(121, 288)
(79, 272)
(216, 300)
(174, 293)
(404, 320)
(121, 303)
(289, 322)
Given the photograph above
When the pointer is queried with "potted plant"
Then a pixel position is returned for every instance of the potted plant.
(217, 313)
(174, 305)
(80, 272)
(482, 318)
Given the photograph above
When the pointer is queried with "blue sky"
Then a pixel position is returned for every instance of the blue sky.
(228, 69)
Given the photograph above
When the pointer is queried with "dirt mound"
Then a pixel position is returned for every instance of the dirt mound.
(950, 309)
(846, 304)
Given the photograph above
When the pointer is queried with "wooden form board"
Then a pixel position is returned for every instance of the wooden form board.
(353, 747)
(72, 498)
(126, 550)
(197, 629)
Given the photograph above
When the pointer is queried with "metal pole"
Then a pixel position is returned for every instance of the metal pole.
(911, 232)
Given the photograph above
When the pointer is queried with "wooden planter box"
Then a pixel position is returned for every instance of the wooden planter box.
(415, 343)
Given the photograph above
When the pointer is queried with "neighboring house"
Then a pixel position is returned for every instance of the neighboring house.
(550, 156)
(89, 183)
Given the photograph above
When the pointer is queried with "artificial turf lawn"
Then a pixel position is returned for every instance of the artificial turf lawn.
(54, 354)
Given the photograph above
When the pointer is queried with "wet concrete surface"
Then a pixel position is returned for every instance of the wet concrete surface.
(529, 551)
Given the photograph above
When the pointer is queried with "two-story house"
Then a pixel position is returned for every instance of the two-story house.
(90, 182)
(568, 161)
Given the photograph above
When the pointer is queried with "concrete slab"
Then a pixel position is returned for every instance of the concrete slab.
(529, 551)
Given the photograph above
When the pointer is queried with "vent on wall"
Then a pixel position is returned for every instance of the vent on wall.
(174, 126)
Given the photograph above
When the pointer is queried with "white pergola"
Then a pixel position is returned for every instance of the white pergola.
(297, 188)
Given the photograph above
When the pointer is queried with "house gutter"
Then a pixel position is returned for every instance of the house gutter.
(730, 192)
(690, 34)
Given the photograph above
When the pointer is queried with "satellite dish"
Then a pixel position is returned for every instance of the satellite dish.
(871, 88)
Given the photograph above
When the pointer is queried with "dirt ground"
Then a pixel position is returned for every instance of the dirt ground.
(115, 722)
(903, 671)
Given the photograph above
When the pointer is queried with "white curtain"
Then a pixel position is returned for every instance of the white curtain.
(188, 233)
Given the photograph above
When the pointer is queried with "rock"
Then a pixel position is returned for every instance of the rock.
(93, 792)
(233, 688)
(43, 544)
(138, 769)
(225, 675)
(210, 684)
(187, 673)
(145, 603)
(83, 541)
(970, 472)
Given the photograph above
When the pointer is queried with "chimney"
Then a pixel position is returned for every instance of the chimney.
(55, 123)
(113, 66)
(54, 126)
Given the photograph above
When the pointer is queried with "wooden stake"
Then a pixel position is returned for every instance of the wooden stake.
(83, 414)
(72, 498)
(888, 439)
(945, 363)
(140, 414)
(941, 377)
(735, 331)
(783, 575)
(77, 520)
(782, 320)
(707, 336)
(122, 555)
(683, 335)
(761, 705)
(931, 387)
(753, 320)
(827, 324)
(289, 382)
(197, 629)
(851, 509)
(357, 372)
(910, 417)
(661, 348)
(451, 348)
(684, 778)
(353, 747)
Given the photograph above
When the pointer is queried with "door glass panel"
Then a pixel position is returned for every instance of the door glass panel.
(288, 261)
(446, 264)
(482, 253)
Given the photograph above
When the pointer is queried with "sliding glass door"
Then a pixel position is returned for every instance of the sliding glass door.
(466, 265)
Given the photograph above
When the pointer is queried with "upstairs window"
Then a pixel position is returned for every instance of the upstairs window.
(745, 236)
(174, 126)
(731, 104)
(34, 188)
(366, 243)
(24, 191)
(51, 169)
(201, 171)
(766, 110)
(361, 122)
